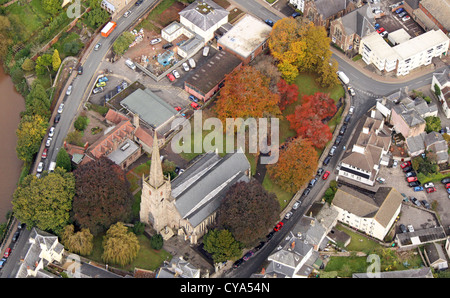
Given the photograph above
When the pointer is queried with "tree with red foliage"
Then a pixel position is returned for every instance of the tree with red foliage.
(288, 93)
(307, 118)
(102, 195)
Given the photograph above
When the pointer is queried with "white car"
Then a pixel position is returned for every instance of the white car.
(127, 14)
(51, 132)
(61, 108)
(49, 141)
(428, 185)
(176, 74)
(394, 165)
(410, 228)
(288, 215)
(40, 167)
(155, 41)
(350, 111)
(185, 66)
(69, 90)
(97, 46)
(384, 34)
(296, 205)
(352, 91)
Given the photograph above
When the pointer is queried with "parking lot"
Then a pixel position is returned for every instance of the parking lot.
(391, 22)
(419, 217)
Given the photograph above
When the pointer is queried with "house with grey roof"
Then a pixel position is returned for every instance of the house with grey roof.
(366, 150)
(204, 17)
(441, 80)
(435, 256)
(347, 31)
(323, 12)
(373, 215)
(178, 268)
(432, 144)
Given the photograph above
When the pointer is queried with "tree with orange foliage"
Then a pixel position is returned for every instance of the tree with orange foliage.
(296, 165)
(288, 93)
(246, 94)
(307, 118)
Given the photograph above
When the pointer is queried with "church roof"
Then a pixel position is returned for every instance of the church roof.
(198, 191)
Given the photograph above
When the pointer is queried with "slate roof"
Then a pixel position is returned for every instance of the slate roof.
(199, 190)
(359, 21)
(204, 14)
(328, 8)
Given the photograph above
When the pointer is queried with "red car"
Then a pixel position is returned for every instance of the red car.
(431, 189)
(411, 179)
(325, 176)
(447, 185)
(195, 105)
(7, 252)
(379, 30)
(278, 226)
(44, 153)
(171, 77)
(178, 109)
(405, 164)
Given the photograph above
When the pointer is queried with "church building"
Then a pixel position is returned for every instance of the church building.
(188, 204)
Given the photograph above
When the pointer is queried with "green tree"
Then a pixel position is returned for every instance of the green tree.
(56, 60)
(37, 102)
(28, 65)
(63, 160)
(437, 90)
(43, 64)
(52, 7)
(30, 133)
(45, 202)
(81, 123)
(119, 245)
(433, 123)
(222, 245)
(123, 42)
(156, 242)
(81, 242)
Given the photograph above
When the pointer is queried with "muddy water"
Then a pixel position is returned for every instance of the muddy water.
(12, 103)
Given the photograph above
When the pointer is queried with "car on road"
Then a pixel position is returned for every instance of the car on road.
(269, 22)
(171, 77)
(352, 91)
(278, 226)
(403, 228)
(138, 2)
(288, 215)
(185, 66)
(97, 90)
(410, 228)
(57, 118)
(259, 246)
(51, 131)
(101, 84)
(176, 74)
(296, 205)
(418, 188)
(80, 70)
(69, 90)
(325, 176)
(97, 47)
(429, 184)
(306, 192)
(7, 252)
(44, 153)
(431, 189)
(296, 14)
(238, 263)
(351, 109)
(248, 255)
(16, 236)
(48, 142)
(155, 41)
(312, 182)
(127, 14)
(60, 108)
(2, 262)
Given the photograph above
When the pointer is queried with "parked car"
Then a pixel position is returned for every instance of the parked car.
(415, 201)
(103, 79)
(176, 74)
(410, 228)
(426, 204)
(80, 70)
(278, 226)
(16, 236)
(269, 22)
(51, 131)
(352, 108)
(44, 153)
(238, 263)
(411, 179)
(384, 34)
(48, 142)
(61, 108)
(411, 174)
(394, 164)
(343, 129)
(97, 90)
(407, 169)
(248, 255)
(418, 188)
(192, 63)
(69, 90)
(171, 77)
(288, 215)
(327, 160)
(325, 176)
(155, 41)
(97, 46)
(447, 185)
(296, 14)
(381, 29)
(405, 164)
(445, 180)
(399, 10)
(431, 189)
(101, 84)
(138, 2)
(185, 66)
(205, 51)
(2, 262)
(270, 235)
(338, 140)
(57, 118)
(312, 182)
(127, 14)
(332, 150)
(414, 184)
(319, 172)
(306, 192)
(296, 205)
(381, 180)
(403, 228)
(7, 252)
(193, 98)
(406, 18)
(260, 245)
(429, 184)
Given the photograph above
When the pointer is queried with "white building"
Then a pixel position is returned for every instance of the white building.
(299, 4)
(204, 18)
(442, 80)
(373, 216)
(405, 56)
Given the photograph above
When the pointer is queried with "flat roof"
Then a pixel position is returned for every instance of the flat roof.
(123, 151)
(377, 44)
(420, 43)
(248, 34)
(151, 108)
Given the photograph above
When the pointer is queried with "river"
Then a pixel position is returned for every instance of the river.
(12, 104)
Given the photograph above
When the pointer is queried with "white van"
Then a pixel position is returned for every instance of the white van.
(130, 64)
(343, 77)
(192, 63)
(52, 167)
(205, 51)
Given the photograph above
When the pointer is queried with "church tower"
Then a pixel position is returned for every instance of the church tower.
(156, 201)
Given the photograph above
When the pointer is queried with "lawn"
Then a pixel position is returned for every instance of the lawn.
(147, 257)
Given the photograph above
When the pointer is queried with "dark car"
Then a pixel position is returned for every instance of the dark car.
(338, 140)
(414, 184)
(445, 180)
(296, 14)
(415, 201)
(269, 236)
(403, 228)
(319, 172)
(426, 204)
(16, 236)
(248, 255)
(260, 245)
(80, 70)
(138, 2)
(167, 46)
(407, 169)
(238, 263)
(306, 192)
(269, 22)
(57, 118)
(411, 174)
(343, 129)
(347, 119)
(327, 160)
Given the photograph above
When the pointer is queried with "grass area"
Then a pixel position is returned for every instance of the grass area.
(390, 259)
(283, 197)
(134, 181)
(147, 258)
(32, 17)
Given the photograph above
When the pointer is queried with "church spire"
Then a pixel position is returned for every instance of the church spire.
(156, 178)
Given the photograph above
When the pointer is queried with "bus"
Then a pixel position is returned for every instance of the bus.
(108, 29)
